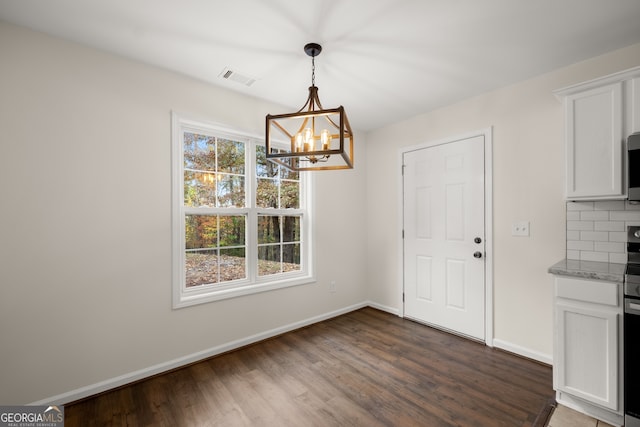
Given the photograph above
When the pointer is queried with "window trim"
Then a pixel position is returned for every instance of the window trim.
(184, 297)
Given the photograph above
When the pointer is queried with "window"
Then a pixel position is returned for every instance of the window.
(241, 224)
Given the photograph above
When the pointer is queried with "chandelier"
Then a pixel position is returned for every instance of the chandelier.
(311, 138)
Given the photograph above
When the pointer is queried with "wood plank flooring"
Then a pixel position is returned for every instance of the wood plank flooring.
(365, 368)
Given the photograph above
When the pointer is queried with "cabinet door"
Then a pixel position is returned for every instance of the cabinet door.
(587, 354)
(595, 143)
(633, 105)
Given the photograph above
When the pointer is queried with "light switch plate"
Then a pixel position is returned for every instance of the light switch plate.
(520, 228)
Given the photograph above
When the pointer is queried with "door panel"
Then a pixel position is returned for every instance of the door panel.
(423, 284)
(455, 283)
(423, 208)
(455, 211)
(443, 211)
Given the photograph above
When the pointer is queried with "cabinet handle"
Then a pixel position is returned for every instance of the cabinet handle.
(631, 307)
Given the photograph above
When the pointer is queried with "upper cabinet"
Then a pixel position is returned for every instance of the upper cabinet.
(594, 143)
(599, 115)
(633, 105)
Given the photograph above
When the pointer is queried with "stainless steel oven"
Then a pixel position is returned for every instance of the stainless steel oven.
(631, 329)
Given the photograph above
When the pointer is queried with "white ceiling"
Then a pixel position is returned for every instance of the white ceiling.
(384, 60)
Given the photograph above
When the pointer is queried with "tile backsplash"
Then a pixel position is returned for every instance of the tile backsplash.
(597, 231)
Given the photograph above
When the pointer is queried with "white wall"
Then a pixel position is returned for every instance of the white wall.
(85, 266)
(85, 292)
(528, 177)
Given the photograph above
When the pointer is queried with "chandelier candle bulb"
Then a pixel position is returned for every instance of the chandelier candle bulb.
(308, 140)
(326, 139)
(298, 146)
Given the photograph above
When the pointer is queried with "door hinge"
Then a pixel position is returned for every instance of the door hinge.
(403, 166)
(403, 297)
(403, 234)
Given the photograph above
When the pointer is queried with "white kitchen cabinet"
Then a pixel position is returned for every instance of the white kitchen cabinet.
(594, 143)
(587, 356)
(599, 116)
(587, 343)
(632, 106)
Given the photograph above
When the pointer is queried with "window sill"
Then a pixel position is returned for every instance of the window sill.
(204, 295)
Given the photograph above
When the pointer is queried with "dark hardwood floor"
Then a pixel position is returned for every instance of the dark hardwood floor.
(365, 368)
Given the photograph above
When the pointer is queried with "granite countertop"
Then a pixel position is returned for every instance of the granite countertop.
(608, 271)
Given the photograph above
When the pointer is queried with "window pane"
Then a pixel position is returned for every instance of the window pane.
(291, 257)
(290, 195)
(199, 189)
(230, 156)
(204, 266)
(199, 152)
(288, 174)
(201, 231)
(267, 193)
(269, 260)
(232, 230)
(291, 229)
(273, 230)
(264, 167)
(201, 267)
(230, 191)
(233, 265)
(268, 229)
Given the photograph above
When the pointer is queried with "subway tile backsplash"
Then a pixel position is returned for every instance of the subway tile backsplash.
(596, 231)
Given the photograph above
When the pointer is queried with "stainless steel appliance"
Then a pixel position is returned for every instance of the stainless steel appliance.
(633, 167)
(631, 328)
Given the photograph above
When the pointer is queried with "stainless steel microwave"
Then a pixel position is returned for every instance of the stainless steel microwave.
(633, 166)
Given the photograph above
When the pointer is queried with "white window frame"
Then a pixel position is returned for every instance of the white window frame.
(183, 296)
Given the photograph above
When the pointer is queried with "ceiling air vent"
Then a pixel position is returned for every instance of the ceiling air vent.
(229, 74)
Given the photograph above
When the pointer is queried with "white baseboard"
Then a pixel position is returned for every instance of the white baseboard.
(522, 351)
(386, 308)
(141, 374)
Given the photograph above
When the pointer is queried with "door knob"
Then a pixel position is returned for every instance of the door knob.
(477, 240)
(477, 254)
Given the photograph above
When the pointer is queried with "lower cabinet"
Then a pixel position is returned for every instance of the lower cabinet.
(587, 354)
(587, 366)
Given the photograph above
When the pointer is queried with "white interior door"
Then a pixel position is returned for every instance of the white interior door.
(444, 236)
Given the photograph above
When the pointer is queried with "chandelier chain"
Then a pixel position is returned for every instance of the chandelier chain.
(313, 71)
